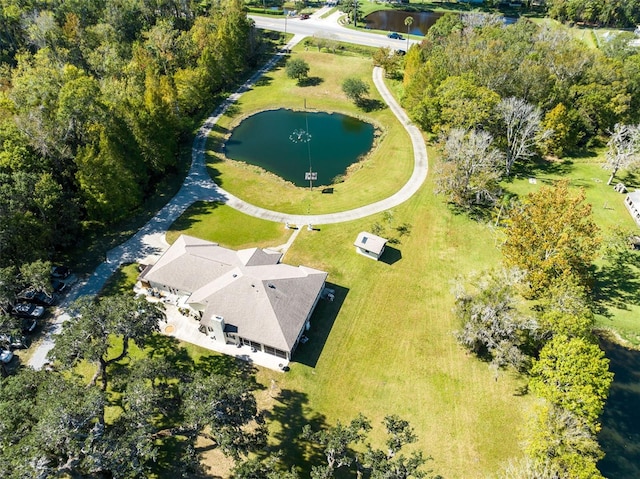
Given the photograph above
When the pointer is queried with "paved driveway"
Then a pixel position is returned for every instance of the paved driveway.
(198, 186)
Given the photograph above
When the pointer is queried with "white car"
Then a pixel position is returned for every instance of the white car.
(6, 356)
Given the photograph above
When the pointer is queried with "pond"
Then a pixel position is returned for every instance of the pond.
(276, 140)
(620, 434)
(393, 21)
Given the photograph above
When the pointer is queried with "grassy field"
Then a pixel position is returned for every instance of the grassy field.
(222, 224)
(385, 345)
(383, 172)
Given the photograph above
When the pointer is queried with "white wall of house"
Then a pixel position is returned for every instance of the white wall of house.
(633, 205)
(366, 253)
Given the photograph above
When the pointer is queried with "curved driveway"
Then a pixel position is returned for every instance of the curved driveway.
(198, 186)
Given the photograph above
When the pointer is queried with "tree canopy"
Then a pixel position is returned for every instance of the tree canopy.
(551, 235)
(96, 99)
(57, 423)
(475, 72)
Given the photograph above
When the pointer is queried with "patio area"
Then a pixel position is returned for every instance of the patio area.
(185, 328)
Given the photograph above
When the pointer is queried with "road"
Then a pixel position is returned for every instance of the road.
(328, 27)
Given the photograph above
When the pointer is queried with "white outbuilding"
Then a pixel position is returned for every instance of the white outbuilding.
(370, 245)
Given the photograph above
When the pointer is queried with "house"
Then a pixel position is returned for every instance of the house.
(632, 202)
(370, 245)
(244, 297)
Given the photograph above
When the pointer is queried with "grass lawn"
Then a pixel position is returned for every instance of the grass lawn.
(224, 225)
(390, 349)
(383, 172)
(385, 345)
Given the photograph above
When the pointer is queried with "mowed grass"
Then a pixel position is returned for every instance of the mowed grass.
(386, 344)
(224, 225)
(620, 306)
(381, 174)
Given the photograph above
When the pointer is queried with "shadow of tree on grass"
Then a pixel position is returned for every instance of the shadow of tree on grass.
(618, 281)
(189, 218)
(291, 413)
(310, 81)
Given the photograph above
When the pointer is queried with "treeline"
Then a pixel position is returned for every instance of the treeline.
(95, 98)
(550, 243)
(468, 64)
(618, 13)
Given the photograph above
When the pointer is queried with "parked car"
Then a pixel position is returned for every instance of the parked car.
(60, 272)
(28, 325)
(58, 286)
(28, 310)
(37, 297)
(304, 16)
(6, 356)
(395, 36)
(401, 52)
(13, 342)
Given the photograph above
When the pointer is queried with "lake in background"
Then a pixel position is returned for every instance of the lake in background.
(393, 21)
(267, 140)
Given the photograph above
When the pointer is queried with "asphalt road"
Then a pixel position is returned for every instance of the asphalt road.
(329, 28)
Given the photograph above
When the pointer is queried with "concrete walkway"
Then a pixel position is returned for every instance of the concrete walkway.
(149, 240)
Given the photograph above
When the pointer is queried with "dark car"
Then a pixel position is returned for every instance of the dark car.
(13, 342)
(395, 36)
(304, 16)
(58, 286)
(401, 52)
(28, 325)
(60, 272)
(28, 310)
(37, 297)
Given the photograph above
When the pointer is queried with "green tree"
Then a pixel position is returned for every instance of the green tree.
(336, 442)
(573, 374)
(392, 463)
(355, 89)
(560, 444)
(390, 62)
(551, 235)
(469, 171)
(37, 276)
(224, 410)
(565, 308)
(562, 140)
(463, 103)
(297, 68)
(88, 334)
(48, 423)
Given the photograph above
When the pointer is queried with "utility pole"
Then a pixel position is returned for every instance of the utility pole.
(355, 13)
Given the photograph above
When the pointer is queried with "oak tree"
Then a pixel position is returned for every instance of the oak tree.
(573, 374)
(551, 235)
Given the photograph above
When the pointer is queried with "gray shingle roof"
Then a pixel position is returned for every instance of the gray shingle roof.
(266, 300)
